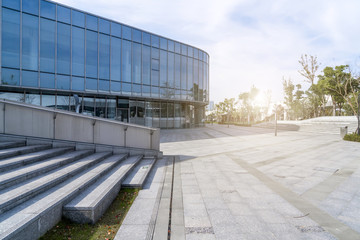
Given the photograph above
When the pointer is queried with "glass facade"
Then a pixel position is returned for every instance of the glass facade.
(49, 47)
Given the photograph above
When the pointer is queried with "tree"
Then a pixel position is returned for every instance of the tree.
(289, 87)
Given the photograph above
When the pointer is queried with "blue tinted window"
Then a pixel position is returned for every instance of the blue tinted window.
(145, 91)
(10, 77)
(171, 69)
(136, 63)
(104, 57)
(177, 71)
(10, 38)
(163, 69)
(63, 48)
(78, 51)
(196, 53)
(190, 74)
(136, 35)
(163, 43)
(30, 6)
(63, 14)
(146, 58)
(126, 61)
(115, 29)
(177, 47)
(91, 22)
(91, 84)
(78, 18)
(126, 88)
(47, 80)
(104, 26)
(183, 49)
(183, 72)
(155, 53)
(115, 58)
(126, 32)
(29, 79)
(63, 82)
(77, 83)
(115, 86)
(104, 85)
(190, 52)
(146, 38)
(47, 9)
(47, 45)
(14, 4)
(171, 46)
(155, 65)
(155, 92)
(91, 54)
(136, 90)
(155, 41)
(155, 78)
(30, 42)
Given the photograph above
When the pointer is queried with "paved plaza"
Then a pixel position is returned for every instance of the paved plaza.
(245, 183)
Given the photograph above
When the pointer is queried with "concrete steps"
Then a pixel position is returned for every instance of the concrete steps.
(89, 206)
(138, 176)
(39, 184)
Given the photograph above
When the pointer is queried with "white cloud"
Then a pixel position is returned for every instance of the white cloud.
(250, 42)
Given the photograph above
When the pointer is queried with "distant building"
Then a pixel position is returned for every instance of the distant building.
(56, 56)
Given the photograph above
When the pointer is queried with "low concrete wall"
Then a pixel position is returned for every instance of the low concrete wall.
(29, 120)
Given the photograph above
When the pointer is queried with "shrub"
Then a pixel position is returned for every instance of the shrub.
(352, 137)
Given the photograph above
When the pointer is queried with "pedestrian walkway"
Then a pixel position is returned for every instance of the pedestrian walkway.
(245, 183)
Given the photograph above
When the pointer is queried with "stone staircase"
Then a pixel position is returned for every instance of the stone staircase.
(40, 183)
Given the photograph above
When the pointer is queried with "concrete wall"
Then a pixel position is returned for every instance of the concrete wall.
(29, 120)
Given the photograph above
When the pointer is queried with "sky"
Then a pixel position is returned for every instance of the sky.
(250, 42)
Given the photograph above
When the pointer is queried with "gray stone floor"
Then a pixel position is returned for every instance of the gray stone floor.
(245, 183)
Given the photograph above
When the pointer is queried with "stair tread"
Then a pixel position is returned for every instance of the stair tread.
(5, 153)
(17, 218)
(138, 175)
(91, 196)
(29, 157)
(8, 196)
(26, 170)
(9, 144)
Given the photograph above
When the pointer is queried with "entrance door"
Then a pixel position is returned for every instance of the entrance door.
(122, 114)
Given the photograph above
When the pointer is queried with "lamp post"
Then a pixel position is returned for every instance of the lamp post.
(358, 115)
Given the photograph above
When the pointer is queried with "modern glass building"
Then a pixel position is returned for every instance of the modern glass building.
(59, 57)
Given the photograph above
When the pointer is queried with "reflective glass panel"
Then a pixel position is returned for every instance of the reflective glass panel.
(155, 78)
(177, 71)
(100, 106)
(10, 77)
(104, 57)
(30, 42)
(47, 9)
(190, 52)
(115, 86)
(190, 74)
(126, 61)
(77, 83)
(155, 65)
(14, 4)
(146, 65)
(126, 32)
(136, 63)
(163, 69)
(63, 102)
(78, 51)
(183, 72)
(136, 90)
(126, 88)
(177, 47)
(155, 41)
(47, 80)
(115, 58)
(171, 69)
(104, 26)
(91, 22)
(63, 14)
(12, 96)
(146, 38)
(163, 43)
(115, 29)
(47, 45)
(29, 79)
(145, 91)
(91, 84)
(183, 49)
(196, 53)
(155, 53)
(48, 101)
(171, 46)
(91, 54)
(10, 38)
(78, 18)
(136, 34)
(163, 112)
(32, 99)
(89, 107)
(63, 49)
(30, 6)
(111, 108)
(63, 82)
(155, 92)
(104, 85)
